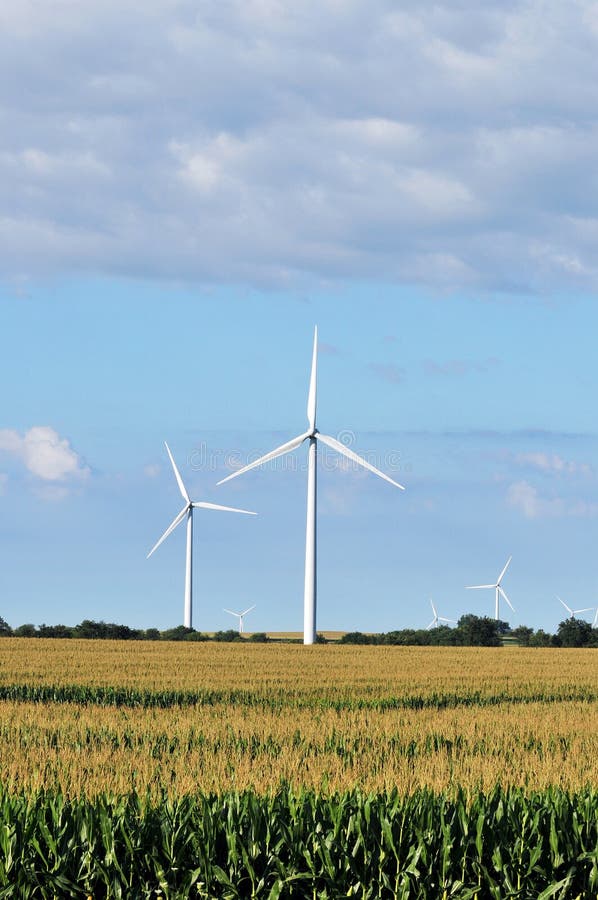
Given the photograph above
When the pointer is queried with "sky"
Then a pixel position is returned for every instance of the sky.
(186, 190)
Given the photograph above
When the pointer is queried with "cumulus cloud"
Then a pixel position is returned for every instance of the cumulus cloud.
(278, 144)
(44, 454)
(552, 463)
(526, 499)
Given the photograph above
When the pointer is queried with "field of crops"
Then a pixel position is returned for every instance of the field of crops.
(240, 770)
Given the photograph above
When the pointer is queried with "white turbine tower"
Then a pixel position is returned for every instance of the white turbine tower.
(497, 588)
(595, 622)
(313, 436)
(240, 616)
(437, 618)
(187, 512)
(573, 612)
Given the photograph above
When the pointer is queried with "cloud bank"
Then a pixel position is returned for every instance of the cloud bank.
(451, 145)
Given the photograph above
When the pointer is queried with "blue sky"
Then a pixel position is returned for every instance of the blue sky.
(185, 192)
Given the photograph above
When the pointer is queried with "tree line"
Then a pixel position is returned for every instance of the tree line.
(476, 631)
(470, 631)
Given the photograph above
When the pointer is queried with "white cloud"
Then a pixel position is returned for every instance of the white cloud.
(44, 454)
(526, 499)
(152, 470)
(553, 463)
(276, 143)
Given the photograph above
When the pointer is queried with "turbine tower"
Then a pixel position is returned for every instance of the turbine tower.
(240, 616)
(437, 618)
(497, 588)
(187, 513)
(573, 612)
(312, 435)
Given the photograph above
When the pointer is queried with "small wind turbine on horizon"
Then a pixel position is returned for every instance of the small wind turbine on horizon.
(187, 512)
(497, 588)
(437, 618)
(313, 436)
(573, 612)
(240, 615)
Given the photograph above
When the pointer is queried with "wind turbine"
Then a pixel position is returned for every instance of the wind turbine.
(313, 436)
(437, 618)
(573, 612)
(187, 512)
(240, 616)
(595, 622)
(496, 587)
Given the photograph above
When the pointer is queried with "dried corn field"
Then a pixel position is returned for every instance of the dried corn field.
(89, 722)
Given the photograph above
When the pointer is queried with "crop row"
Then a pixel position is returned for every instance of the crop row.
(337, 672)
(505, 844)
(166, 699)
(91, 749)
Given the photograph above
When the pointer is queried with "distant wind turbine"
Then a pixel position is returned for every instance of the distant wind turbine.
(240, 616)
(187, 512)
(573, 612)
(313, 436)
(438, 618)
(497, 588)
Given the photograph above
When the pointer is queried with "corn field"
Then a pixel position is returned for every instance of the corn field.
(242, 770)
(506, 844)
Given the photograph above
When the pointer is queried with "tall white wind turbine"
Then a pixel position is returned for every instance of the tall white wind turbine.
(573, 612)
(312, 435)
(497, 588)
(437, 618)
(240, 616)
(187, 513)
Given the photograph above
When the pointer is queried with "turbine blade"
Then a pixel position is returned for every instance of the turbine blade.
(177, 474)
(340, 448)
(311, 398)
(433, 608)
(202, 504)
(568, 608)
(504, 596)
(231, 612)
(248, 610)
(585, 609)
(478, 587)
(499, 579)
(176, 521)
(431, 625)
(273, 454)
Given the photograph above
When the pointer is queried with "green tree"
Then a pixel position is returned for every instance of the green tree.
(522, 635)
(5, 629)
(27, 630)
(475, 631)
(574, 633)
